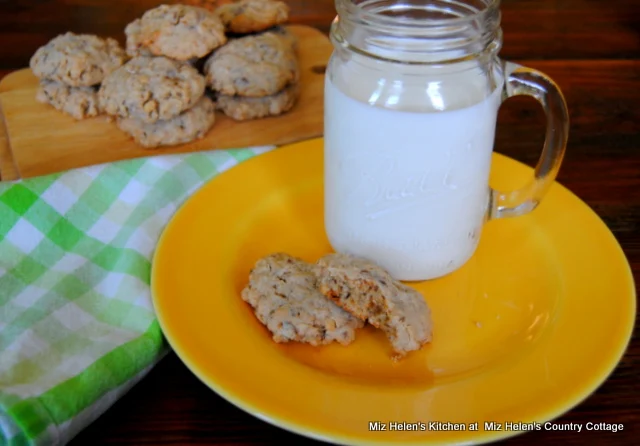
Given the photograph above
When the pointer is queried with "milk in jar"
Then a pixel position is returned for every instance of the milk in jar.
(412, 93)
(406, 177)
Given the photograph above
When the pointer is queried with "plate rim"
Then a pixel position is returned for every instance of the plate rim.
(317, 434)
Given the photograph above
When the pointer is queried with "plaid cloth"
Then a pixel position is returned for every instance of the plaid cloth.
(77, 327)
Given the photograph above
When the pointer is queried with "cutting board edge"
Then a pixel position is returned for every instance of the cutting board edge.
(9, 77)
(8, 168)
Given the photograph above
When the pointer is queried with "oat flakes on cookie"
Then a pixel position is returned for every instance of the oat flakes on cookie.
(151, 89)
(243, 108)
(250, 16)
(78, 102)
(179, 32)
(255, 66)
(78, 60)
(282, 291)
(188, 126)
(368, 292)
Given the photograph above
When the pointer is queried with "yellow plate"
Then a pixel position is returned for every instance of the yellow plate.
(532, 325)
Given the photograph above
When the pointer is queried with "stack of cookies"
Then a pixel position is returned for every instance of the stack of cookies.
(159, 97)
(158, 101)
(71, 67)
(256, 73)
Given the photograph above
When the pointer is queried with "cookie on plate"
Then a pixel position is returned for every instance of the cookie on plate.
(243, 108)
(250, 16)
(78, 102)
(254, 66)
(282, 291)
(78, 60)
(370, 293)
(179, 32)
(151, 89)
(188, 126)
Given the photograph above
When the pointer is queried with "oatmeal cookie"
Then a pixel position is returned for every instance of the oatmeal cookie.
(79, 102)
(243, 108)
(254, 66)
(250, 16)
(282, 291)
(368, 292)
(78, 60)
(179, 32)
(186, 127)
(151, 89)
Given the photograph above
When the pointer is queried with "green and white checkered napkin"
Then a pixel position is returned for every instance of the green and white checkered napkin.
(77, 327)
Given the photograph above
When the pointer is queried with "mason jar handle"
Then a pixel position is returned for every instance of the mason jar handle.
(520, 80)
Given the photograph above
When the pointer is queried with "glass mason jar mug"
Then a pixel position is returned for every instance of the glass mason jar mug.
(411, 101)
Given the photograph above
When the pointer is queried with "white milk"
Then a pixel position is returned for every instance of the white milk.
(408, 190)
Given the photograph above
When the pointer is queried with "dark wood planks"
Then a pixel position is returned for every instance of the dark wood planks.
(533, 29)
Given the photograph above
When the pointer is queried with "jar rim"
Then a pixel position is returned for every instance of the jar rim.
(356, 10)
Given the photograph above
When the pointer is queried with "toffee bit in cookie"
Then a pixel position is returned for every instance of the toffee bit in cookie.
(250, 16)
(179, 32)
(368, 292)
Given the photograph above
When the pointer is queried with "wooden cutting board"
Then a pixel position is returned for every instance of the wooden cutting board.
(8, 171)
(41, 140)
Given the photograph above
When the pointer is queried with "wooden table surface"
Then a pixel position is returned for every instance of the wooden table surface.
(590, 47)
